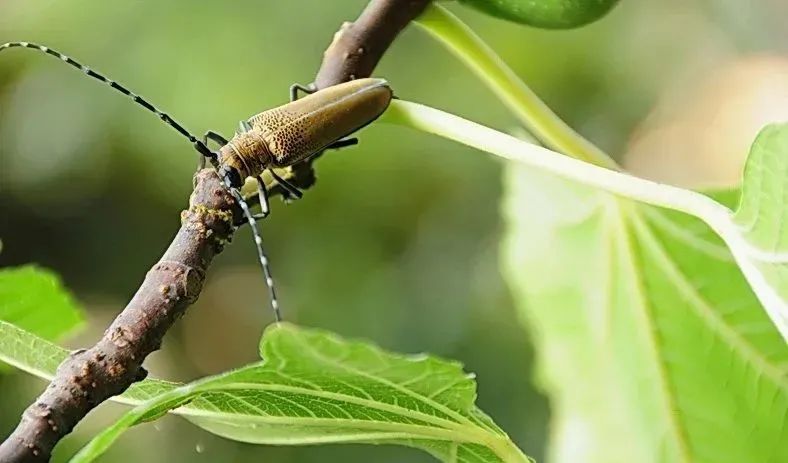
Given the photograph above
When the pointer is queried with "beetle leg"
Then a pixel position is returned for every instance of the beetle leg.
(258, 216)
(308, 89)
(287, 185)
(203, 154)
(245, 126)
(215, 136)
(342, 143)
(262, 192)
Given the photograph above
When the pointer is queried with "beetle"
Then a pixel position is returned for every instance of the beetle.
(276, 138)
(291, 133)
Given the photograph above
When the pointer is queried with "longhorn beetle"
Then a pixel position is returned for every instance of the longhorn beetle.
(276, 138)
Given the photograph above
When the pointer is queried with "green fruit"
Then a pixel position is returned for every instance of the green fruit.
(548, 14)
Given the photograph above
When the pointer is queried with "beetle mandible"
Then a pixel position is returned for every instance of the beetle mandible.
(280, 137)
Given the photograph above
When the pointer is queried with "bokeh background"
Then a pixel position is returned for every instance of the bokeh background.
(398, 241)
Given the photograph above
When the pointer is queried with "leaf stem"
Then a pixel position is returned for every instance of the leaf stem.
(469, 133)
(526, 105)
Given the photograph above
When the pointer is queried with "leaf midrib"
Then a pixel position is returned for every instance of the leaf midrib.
(376, 405)
(415, 430)
(629, 212)
(704, 311)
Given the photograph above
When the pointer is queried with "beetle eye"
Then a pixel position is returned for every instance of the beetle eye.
(232, 175)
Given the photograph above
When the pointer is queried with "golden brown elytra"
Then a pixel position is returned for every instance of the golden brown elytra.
(293, 132)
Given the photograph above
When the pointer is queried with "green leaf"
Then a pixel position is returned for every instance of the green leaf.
(34, 299)
(664, 326)
(762, 213)
(650, 342)
(652, 333)
(548, 14)
(313, 387)
(762, 216)
(28, 352)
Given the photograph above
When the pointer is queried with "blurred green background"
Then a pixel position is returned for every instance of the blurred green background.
(398, 241)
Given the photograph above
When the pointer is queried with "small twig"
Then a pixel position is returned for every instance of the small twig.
(358, 46)
(88, 377)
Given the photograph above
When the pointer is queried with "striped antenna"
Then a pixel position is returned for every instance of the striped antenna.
(258, 241)
(199, 145)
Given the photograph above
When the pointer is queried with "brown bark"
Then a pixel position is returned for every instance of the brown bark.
(358, 46)
(88, 377)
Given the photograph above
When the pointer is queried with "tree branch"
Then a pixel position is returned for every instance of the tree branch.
(358, 46)
(89, 377)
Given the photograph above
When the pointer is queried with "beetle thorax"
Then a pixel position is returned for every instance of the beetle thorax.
(247, 152)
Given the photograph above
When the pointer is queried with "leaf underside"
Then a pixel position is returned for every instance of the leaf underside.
(762, 215)
(312, 387)
(651, 344)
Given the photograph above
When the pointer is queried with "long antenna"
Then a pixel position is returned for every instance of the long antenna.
(199, 145)
(258, 241)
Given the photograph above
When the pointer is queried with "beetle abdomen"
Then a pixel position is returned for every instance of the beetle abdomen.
(296, 130)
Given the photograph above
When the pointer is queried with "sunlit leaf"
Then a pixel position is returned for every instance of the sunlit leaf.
(651, 344)
(763, 214)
